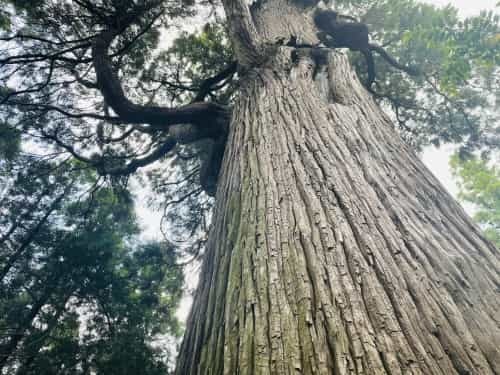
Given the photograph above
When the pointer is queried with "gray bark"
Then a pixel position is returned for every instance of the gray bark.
(333, 250)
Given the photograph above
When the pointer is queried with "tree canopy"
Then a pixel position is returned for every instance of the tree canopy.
(80, 291)
(479, 184)
(98, 81)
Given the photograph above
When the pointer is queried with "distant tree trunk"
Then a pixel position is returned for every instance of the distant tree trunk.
(333, 250)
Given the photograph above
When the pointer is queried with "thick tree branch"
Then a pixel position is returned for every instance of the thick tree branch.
(199, 113)
(410, 70)
(135, 164)
(209, 83)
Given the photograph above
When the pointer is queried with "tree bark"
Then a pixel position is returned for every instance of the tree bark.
(333, 250)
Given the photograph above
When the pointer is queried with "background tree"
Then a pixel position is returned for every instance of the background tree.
(78, 293)
(332, 249)
(480, 184)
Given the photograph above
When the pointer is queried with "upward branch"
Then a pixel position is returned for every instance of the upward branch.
(411, 70)
(198, 113)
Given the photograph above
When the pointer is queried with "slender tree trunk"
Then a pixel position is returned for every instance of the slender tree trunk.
(333, 249)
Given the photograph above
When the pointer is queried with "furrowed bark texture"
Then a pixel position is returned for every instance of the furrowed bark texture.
(333, 249)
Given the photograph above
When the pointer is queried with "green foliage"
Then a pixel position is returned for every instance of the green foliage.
(205, 52)
(455, 98)
(191, 59)
(79, 293)
(480, 184)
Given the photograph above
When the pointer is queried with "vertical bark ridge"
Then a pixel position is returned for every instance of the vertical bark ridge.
(285, 18)
(333, 249)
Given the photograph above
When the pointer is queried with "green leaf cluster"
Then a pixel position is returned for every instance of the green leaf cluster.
(479, 184)
(190, 60)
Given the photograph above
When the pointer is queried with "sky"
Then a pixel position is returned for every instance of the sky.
(466, 7)
(435, 159)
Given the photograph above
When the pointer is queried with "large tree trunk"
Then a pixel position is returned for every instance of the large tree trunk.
(333, 249)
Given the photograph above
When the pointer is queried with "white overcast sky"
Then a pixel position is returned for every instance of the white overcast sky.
(466, 7)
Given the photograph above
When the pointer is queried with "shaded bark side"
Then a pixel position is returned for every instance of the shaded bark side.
(333, 249)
